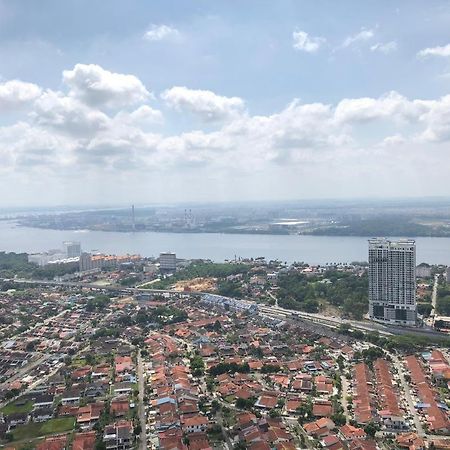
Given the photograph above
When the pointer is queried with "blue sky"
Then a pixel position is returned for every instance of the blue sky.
(223, 99)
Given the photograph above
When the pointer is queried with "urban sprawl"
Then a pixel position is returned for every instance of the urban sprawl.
(124, 352)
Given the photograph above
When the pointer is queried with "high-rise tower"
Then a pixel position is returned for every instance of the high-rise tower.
(392, 281)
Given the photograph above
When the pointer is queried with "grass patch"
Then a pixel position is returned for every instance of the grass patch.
(12, 408)
(58, 425)
(53, 426)
(78, 362)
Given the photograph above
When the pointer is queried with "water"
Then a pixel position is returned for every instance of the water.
(217, 247)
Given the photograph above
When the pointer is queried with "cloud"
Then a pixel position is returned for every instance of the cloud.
(98, 87)
(392, 141)
(437, 121)
(207, 105)
(16, 94)
(386, 47)
(362, 36)
(161, 32)
(68, 115)
(60, 133)
(144, 115)
(443, 51)
(303, 42)
(366, 109)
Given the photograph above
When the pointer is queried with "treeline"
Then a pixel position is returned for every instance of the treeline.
(17, 264)
(382, 226)
(345, 290)
(233, 367)
(405, 342)
(162, 315)
(443, 300)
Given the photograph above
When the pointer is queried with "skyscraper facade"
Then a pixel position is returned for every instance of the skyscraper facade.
(168, 262)
(392, 281)
(72, 249)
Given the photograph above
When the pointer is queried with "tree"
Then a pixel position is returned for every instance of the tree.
(304, 411)
(339, 419)
(274, 413)
(371, 428)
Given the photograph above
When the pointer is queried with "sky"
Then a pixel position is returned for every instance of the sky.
(160, 101)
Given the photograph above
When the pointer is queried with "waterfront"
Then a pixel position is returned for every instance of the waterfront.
(218, 247)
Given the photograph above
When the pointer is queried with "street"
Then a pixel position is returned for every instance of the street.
(407, 391)
(141, 406)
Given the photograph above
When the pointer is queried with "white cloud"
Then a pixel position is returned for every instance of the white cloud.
(99, 87)
(61, 130)
(386, 47)
(303, 42)
(392, 141)
(362, 36)
(390, 105)
(68, 115)
(144, 115)
(16, 94)
(435, 51)
(161, 32)
(207, 105)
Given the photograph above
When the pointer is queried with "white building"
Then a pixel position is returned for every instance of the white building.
(447, 274)
(72, 249)
(392, 281)
(168, 262)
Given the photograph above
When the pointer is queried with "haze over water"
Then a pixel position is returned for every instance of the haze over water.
(217, 247)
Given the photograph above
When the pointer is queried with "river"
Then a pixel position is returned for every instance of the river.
(217, 247)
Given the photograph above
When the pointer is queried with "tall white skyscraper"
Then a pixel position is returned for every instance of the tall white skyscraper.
(392, 281)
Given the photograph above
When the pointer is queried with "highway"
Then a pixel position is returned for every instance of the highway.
(434, 299)
(273, 311)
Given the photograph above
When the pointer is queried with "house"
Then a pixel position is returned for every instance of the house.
(266, 402)
(42, 414)
(123, 388)
(195, 424)
(411, 441)
(199, 441)
(322, 409)
(96, 390)
(100, 372)
(81, 373)
(118, 436)
(15, 419)
(43, 400)
(319, 428)
(88, 415)
(53, 443)
(332, 442)
(71, 397)
(84, 441)
(350, 433)
(120, 406)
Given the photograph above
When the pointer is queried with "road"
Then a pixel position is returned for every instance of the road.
(407, 391)
(333, 322)
(24, 370)
(141, 406)
(344, 393)
(274, 298)
(434, 299)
